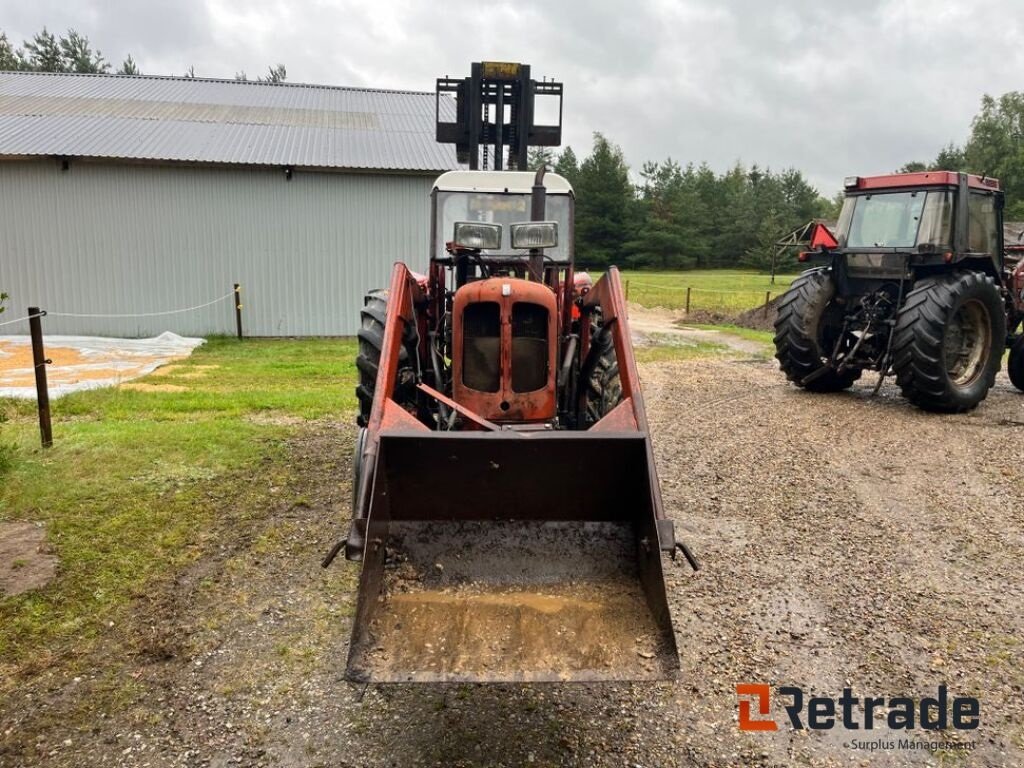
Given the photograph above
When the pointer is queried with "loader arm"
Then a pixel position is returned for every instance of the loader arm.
(403, 292)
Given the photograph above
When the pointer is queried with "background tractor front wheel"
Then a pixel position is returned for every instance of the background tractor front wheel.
(806, 331)
(948, 342)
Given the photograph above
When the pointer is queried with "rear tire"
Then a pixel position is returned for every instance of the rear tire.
(806, 330)
(370, 336)
(601, 378)
(948, 342)
(1015, 363)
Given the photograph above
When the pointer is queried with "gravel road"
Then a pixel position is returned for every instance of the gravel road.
(847, 541)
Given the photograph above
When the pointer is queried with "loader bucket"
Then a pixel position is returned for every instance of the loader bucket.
(511, 557)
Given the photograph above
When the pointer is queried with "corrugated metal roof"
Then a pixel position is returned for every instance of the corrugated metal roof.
(220, 121)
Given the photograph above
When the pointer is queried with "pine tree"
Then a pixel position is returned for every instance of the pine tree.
(276, 74)
(79, 56)
(538, 156)
(43, 53)
(567, 166)
(10, 59)
(129, 67)
(604, 196)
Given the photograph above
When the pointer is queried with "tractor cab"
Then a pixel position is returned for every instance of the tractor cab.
(505, 272)
(892, 226)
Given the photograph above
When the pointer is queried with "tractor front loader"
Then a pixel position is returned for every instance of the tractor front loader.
(506, 509)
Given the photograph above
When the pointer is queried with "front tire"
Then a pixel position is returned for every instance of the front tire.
(806, 330)
(602, 384)
(948, 342)
(1015, 363)
(370, 336)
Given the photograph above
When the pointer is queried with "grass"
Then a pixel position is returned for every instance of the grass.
(722, 290)
(668, 349)
(750, 334)
(134, 479)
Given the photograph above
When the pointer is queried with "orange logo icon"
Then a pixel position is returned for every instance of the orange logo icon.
(761, 693)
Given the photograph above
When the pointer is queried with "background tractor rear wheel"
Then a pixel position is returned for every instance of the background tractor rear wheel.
(601, 378)
(948, 342)
(1015, 363)
(371, 339)
(806, 330)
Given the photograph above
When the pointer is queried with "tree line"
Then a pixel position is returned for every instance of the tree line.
(74, 52)
(682, 217)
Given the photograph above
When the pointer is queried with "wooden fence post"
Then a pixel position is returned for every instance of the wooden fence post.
(39, 362)
(238, 310)
(687, 299)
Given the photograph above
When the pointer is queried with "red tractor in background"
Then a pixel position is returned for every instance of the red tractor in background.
(506, 506)
(917, 284)
(1013, 268)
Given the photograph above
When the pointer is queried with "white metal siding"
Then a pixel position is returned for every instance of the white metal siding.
(116, 239)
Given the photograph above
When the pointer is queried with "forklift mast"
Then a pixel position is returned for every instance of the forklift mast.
(506, 91)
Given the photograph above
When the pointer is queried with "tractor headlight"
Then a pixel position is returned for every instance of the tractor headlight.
(535, 234)
(477, 235)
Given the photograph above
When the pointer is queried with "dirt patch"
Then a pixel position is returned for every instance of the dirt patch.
(187, 371)
(555, 631)
(761, 318)
(141, 386)
(707, 317)
(660, 326)
(25, 562)
(523, 600)
(275, 419)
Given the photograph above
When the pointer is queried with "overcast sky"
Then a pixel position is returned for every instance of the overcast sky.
(831, 88)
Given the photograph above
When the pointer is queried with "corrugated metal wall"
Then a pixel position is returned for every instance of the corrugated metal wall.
(126, 239)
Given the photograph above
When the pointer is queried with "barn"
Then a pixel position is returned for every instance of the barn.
(124, 199)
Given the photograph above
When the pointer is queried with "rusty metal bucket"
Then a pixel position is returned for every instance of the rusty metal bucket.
(511, 557)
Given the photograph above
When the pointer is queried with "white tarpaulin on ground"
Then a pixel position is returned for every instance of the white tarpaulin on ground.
(86, 362)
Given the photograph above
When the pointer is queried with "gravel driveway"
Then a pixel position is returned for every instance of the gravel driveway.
(846, 542)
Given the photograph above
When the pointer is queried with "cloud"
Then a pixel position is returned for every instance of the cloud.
(830, 88)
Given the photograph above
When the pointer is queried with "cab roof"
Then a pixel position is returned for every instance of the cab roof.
(924, 179)
(515, 182)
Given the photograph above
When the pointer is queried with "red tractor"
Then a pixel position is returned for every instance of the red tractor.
(506, 508)
(915, 283)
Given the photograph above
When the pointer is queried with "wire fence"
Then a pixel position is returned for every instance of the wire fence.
(40, 361)
(691, 298)
(225, 297)
(20, 319)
